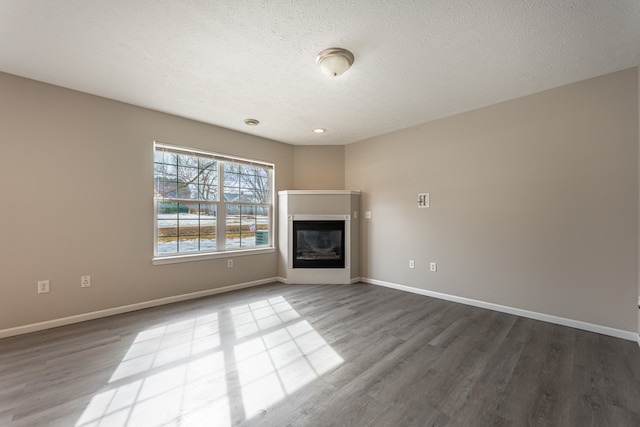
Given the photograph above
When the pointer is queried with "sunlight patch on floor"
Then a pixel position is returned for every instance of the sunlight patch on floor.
(224, 366)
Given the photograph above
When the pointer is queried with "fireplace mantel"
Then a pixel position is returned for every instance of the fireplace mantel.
(318, 205)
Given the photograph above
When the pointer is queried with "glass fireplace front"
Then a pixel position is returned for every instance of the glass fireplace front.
(318, 244)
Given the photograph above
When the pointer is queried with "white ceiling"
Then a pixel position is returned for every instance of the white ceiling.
(222, 61)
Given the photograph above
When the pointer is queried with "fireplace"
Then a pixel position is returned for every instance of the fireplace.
(318, 234)
(318, 244)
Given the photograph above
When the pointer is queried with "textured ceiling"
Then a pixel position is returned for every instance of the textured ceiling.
(222, 61)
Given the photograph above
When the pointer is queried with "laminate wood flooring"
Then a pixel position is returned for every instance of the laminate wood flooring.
(318, 355)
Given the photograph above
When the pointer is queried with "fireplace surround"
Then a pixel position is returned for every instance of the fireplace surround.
(318, 235)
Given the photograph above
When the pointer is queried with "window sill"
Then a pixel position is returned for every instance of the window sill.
(173, 259)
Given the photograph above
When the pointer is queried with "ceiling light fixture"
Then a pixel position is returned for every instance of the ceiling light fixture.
(251, 122)
(319, 130)
(334, 61)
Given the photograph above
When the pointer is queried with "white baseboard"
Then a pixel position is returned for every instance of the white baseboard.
(285, 281)
(605, 330)
(34, 327)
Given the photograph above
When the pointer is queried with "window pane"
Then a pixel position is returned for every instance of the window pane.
(208, 211)
(171, 159)
(160, 177)
(186, 160)
(208, 192)
(207, 163)
(231, 185)
(207, 243)
(186, 190)
(207, 227)
(264, 189)
(254, 184)
(168, 210)
(159, 187)
(167, 245)
(167, 230)
(158, 156)
(248, 221)
(208, 180)
(188, 219)
(187, 244)
(188, 174)
(262, 226)
(232, 230)
(231, 167)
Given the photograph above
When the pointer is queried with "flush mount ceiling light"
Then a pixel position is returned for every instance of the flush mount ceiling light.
(319, 130)
(334, 61)
(251, 122)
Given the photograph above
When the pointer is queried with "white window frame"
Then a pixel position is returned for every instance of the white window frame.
(221, 250)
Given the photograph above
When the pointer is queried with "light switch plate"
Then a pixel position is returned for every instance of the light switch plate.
(423, 200)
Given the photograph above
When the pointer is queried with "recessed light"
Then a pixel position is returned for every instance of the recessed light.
(319, 130)
(251, 122)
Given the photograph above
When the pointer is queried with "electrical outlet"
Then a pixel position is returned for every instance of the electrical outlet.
(412, 264)
(229, 263)
(433, 266)
(367, 214)
(43, 286)
(85, 281)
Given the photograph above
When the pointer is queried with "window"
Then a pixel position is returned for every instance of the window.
(199, 193)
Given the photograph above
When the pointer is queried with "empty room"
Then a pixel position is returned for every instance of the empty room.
(429, 213)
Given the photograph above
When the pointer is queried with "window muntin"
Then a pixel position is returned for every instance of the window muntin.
(191, 205)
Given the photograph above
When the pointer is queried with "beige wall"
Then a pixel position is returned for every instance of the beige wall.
(534, 203)
(318, 167)
(77, 173)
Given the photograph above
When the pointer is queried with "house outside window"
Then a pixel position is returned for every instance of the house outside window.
(207, 203)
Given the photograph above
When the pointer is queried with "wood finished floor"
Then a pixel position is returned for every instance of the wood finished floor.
(313, 355)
